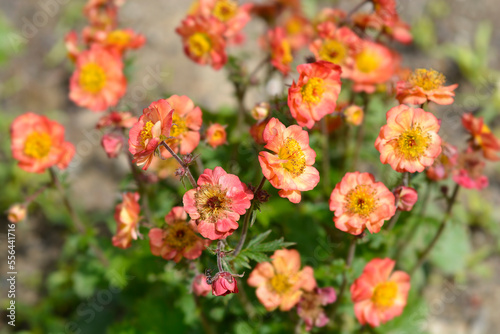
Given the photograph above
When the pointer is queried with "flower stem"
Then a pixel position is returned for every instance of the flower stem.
(142, 189)
(182, 163)
(405, 181)
(326, 155)
(423, 256)
(246, 221)
(350, 257)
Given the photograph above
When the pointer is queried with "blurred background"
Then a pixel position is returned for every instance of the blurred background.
(58, 282)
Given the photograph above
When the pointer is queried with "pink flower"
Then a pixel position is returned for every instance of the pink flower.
(359, 202)
(315, 94)
(117, 119)
(444, 163)
(469, 171)
(200, 286)
(152, 128)
(425, 85)
(406, 197)
(378, 295)
(127, 219)
(112, 144)
(217, 203)
(310, 306)
(223, 284)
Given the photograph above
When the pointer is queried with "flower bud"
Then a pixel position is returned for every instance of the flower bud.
(406, 197)
(17, 212)
(112, 144)
(223, 284)
(200, 286)
(260, 111)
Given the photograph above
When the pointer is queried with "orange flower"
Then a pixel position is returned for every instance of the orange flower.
(373, 64)
(178, 240)
(378, 295)
(152, 128)
(186, 124)
(290, 167)
(216, 135)
(119, 40)
(17, 212)
(354, 115)
(127, 218)
(482, 138)
(98, 81)
(102, 13)
(425, 85)
(299, 31)
(410, 141)
(203, 39)
(315, 94)
(281, 283)
(37, 143)
(281, 50)
(359, 202)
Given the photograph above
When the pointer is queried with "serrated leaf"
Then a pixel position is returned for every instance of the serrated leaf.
(258, 239)
(272, 245)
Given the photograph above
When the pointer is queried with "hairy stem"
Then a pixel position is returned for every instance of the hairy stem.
(184, 166)
(142, 189)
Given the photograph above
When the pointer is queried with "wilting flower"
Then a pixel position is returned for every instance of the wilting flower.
(17, 212)
(359, 202)
(118, 40)
(444, 163)
(469, 171)
(425, 85)
(281, 51)
(315, 94)
(281, 283)
(337, 46)
(178, 239)
(217, 203)
(378, 295)
(260, 111)
(409, 142)
(203, 39)
(223, 284)
(98, 81)
(152, 128)
(117, 119)
(200, 286)
(482, 138)
(289, 167)
(186, 124)
(127, 218)
(216, 135)
(37, 143)
(310, 306)
(354, 115)
(373, 64)
(406, 197)
(112, 144)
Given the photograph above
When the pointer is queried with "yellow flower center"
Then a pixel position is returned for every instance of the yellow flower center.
(180, 236)
(92, 78)
(427, 79)
(412, 143)
(118, 37)
(37, 145)
(313, 90)
(178, 125)
(361, 200)
(333, 51)
(367, 61)
(385, 294)
(199, 44)
(281, 284)
(211, 202)
(287, 57)
(294, 26)
(146, 132)
(225, 10)
(292, 152)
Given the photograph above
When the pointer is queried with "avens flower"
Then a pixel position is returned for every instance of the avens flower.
(17, 212)
(469, 171)
(216, 135)
(127, 219)
(410, 141)
(112, 144)
(200, 286)
(406, 197)
(310, 307)
(359, 202)
(353, 115)
(223, 284)
(281, 51)
(379, 294)
(482, 137)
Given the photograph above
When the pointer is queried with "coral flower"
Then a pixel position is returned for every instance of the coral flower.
(469, 171)
(186, 124)
(409, 142)
(353, 115)
(152, 128)
(127, 218)
(112, 144)
(299, 31)
(203, 39)
(217, 203)
(406, 197)
(119, 40)
(289, 167)
(102, 13)
(178, 239)
(378, 295)
(281, 283)
(260, 111)
(216, 135)
(17, 212)
(310, 307)
(37, 143)
(200, 286)
(444, 164)
(425, 85)
(117, 119)
(281, 50)
(373, 64)
(315, 94)
(98, 81)
(359, 202)
(482, 138)
(223, 284)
